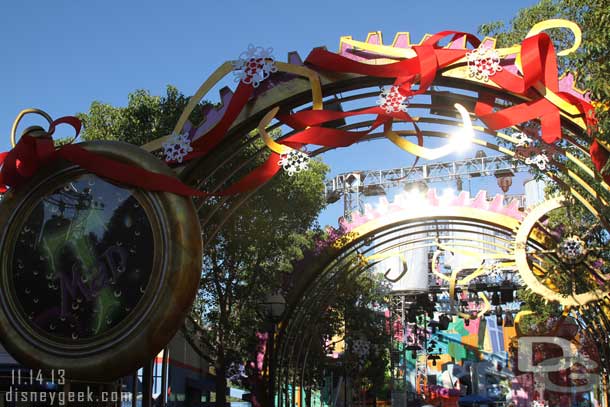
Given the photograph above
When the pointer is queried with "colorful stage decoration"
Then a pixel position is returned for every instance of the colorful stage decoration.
(466, 258)
(91, 267)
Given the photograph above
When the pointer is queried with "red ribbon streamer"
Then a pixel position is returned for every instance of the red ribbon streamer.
(32, 154)
(599, 156)
(539, 65)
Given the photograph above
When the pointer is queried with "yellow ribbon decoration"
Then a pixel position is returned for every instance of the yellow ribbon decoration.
(559, 23)
(435, 153)
(269, 142)
(385, 50)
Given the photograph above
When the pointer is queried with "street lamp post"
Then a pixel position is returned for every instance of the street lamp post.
(273, 306)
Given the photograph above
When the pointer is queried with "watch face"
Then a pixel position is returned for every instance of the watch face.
(82, 258)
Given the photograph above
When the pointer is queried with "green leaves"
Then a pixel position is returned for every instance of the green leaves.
(145, 118)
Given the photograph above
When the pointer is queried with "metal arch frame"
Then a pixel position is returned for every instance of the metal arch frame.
(595, 204)
(234, 142)
(291, 341)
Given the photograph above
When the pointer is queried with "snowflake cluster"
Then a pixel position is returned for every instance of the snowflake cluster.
(540, 160)
(572, 249)
(254, 65)
(361, 347)
(483, 62)
(523, 140)
(391, 100)
(293, 162)
(531, 154)
(177, 147)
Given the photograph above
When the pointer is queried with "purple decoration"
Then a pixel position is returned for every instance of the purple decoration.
(213, 114)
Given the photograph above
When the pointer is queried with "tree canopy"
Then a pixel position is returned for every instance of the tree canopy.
(145, 118)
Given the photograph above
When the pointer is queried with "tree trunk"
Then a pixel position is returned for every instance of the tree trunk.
(221, 382)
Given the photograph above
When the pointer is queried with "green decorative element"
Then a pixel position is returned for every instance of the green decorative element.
(108, 307)
(458, 327)
(456, 349)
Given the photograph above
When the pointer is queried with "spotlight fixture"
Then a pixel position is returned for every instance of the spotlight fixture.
(443, 322)
(499, 316)
(413, 349)
(509, 321)
(507, 295)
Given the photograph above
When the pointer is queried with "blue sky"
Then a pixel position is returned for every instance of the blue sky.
(62, 55)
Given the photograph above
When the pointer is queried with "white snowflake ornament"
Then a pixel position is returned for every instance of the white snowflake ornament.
(522, 139)
(177, 147)
(254, 65)
(361, 347)
(294, 161)
(391, 100)
(539, 160)
(483, 62)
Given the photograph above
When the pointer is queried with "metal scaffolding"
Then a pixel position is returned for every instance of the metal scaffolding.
(354, 186)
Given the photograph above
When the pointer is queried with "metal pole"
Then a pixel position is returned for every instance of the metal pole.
(147, 383)
(345, 381)
(134, 390)
(271, 390)
(164, 381)
(605, 389)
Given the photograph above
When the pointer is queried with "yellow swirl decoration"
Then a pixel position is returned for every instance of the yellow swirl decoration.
(20, 116)
(454, 281)
(544, 91)
(269, 142)
(559, 23)
(435, 153)
(547, 292)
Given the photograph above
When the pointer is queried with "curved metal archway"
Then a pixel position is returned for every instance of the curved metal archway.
(424, 227)
(300, 87)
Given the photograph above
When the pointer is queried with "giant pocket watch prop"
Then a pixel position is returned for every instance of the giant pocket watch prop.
(96, 276)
